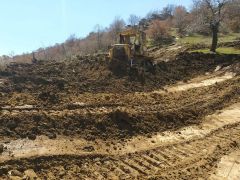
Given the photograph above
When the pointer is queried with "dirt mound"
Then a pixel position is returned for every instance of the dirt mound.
(60, 98)
(93, 74)
(120, 116)
(166, 54)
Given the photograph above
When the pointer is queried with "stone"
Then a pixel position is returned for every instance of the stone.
(30, 175)
(15, 178)
(1, 148)
(3, 169)
(31, 136)
(51, 135)
(15, 173)
(12, 124)
(88, 148)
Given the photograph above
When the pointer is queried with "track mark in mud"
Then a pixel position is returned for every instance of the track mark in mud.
(141, 114)
(167, 161)
(191, 159)
(105, 108)
(195, 155)
(66, 146)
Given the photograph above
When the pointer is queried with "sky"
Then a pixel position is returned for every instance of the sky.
(27, 25)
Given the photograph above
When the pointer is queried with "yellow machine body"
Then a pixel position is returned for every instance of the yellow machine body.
(131, 43)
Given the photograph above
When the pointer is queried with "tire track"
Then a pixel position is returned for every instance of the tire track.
(194, 158)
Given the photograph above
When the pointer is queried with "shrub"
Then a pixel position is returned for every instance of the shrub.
(159, 32)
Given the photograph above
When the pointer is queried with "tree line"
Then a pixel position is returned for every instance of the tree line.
(206, 17)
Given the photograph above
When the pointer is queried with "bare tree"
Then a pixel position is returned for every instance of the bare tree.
(99, 33)
(133, 20)
(167, 12)
(116, 27)
(12, 55)
(71, 39)
(180, 19)
(153, 15)
(212, 13)
(69, 44)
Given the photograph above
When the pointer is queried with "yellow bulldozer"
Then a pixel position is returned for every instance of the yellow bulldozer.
(130, 47)
(131, 43)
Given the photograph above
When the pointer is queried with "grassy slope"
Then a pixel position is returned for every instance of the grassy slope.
(207, 39)
(199, 39)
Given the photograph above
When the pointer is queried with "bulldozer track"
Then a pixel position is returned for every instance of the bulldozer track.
(165, 160)
(196, 157)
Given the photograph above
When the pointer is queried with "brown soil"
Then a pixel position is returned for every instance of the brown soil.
(235, 44)
(83, 99)
(192, 159)
(47, 79)
(119, 116)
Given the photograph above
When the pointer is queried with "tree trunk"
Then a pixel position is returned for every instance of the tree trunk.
(214, 38)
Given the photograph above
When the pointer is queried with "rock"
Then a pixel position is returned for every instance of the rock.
(61, 173)
(6, 107)
(31, 136)
(12, 124)
(149, 136)
(30, 175)
(76, 169)
(97, 159)
(51, 135)
(3, 169)
(88, 148)
(50, 175)
(15, 178)
(1, 148)
(24, 107)
(79, 104)
(15, 173)
(217, 68)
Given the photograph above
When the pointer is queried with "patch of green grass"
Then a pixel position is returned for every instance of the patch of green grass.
(194, 40)
(222, 50)
(200, 39)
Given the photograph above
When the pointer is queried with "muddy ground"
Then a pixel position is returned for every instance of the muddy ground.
(89, 115)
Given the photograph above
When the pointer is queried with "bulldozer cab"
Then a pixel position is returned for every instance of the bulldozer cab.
(131, 43)
(135, 38)
(125, 54)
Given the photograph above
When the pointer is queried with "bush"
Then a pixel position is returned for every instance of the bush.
(159, 32)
